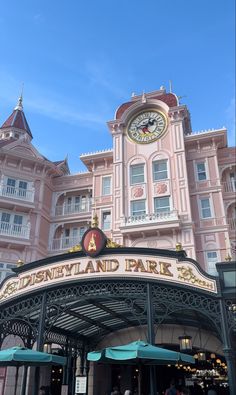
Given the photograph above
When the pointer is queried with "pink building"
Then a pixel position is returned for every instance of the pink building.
(161, 184)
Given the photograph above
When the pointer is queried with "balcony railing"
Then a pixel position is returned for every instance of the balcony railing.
(14, 230)
(229, 187)
(164, 216)
(64, 243)
(67, 209)
(17, 193)
(232, 223)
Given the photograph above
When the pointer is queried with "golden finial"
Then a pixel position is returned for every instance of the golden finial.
(228, 258)
(178, 246)
(20, 263)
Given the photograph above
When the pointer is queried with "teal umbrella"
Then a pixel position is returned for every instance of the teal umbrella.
(142, 353)
(19, 356)
(140, 350)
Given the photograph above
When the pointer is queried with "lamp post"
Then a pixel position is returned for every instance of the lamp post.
(227, 290)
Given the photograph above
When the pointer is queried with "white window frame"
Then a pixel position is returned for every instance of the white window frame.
(210, 206)
(103, 188)
(205, 170)
(102, 219)
(211, 268)
(162, 198)
(154, 172)
(132, 202)
(131, 175)
(12, 218)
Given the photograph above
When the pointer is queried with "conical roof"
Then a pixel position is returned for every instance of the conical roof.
(17, 119)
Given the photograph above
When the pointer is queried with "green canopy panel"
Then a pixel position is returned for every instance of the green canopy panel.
(140, 351)
(23, 356)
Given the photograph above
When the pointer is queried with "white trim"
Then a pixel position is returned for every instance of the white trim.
(201, 161)
(101, 219)
(210, 206)
(144, 174)
(102, 178)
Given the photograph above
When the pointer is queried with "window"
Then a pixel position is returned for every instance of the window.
(11, 183)
(212, 258)
(138, 207)
(18, 188)
(205, 207)
(106, 186)
(81, 232)
(160, 170)
(5, 217)
(22, 188)
(162, 204)
(106, 220)
(232, 177)
(201, 171)
(136, 174)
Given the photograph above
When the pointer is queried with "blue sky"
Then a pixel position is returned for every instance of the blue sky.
(79, 60)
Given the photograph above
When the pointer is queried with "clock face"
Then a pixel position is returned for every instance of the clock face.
(147, 126)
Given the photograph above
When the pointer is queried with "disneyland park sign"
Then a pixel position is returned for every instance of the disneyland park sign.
(107, 267)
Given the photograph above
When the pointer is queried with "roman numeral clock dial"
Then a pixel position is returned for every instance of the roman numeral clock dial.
(147, 127)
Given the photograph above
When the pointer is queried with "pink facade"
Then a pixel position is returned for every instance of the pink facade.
(161, 184)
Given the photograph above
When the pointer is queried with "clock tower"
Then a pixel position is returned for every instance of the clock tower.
(150, 188)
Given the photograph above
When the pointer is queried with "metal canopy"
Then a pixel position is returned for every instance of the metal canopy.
(87, 310)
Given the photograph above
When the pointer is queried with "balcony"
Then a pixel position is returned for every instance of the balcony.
(229, 187)
(164, 219)
(14, 230)
(17, 193)
(63, 243)
(70, 209)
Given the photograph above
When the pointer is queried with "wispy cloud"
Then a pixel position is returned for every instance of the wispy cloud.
(45, 102)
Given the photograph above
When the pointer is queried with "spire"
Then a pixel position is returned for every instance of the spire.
(17, 119)
(19, 105)
(20, 100)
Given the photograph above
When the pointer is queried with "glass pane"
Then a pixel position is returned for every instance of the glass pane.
(18, 219)
(201, 167)
(205, 203)
(106, 220)
(160, 170)
(162, 204)
(11, 182)
(138, 208)
(23, 185)
(6, 217)
(106, 186)
(137, 174)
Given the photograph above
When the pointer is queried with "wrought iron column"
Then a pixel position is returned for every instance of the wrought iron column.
(40, 339)
(151, 338)
(228, 351)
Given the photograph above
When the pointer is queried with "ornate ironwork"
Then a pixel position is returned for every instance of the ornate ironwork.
(23, 316)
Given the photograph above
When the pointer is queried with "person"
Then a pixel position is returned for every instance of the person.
(127, 392)
(172, 390)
